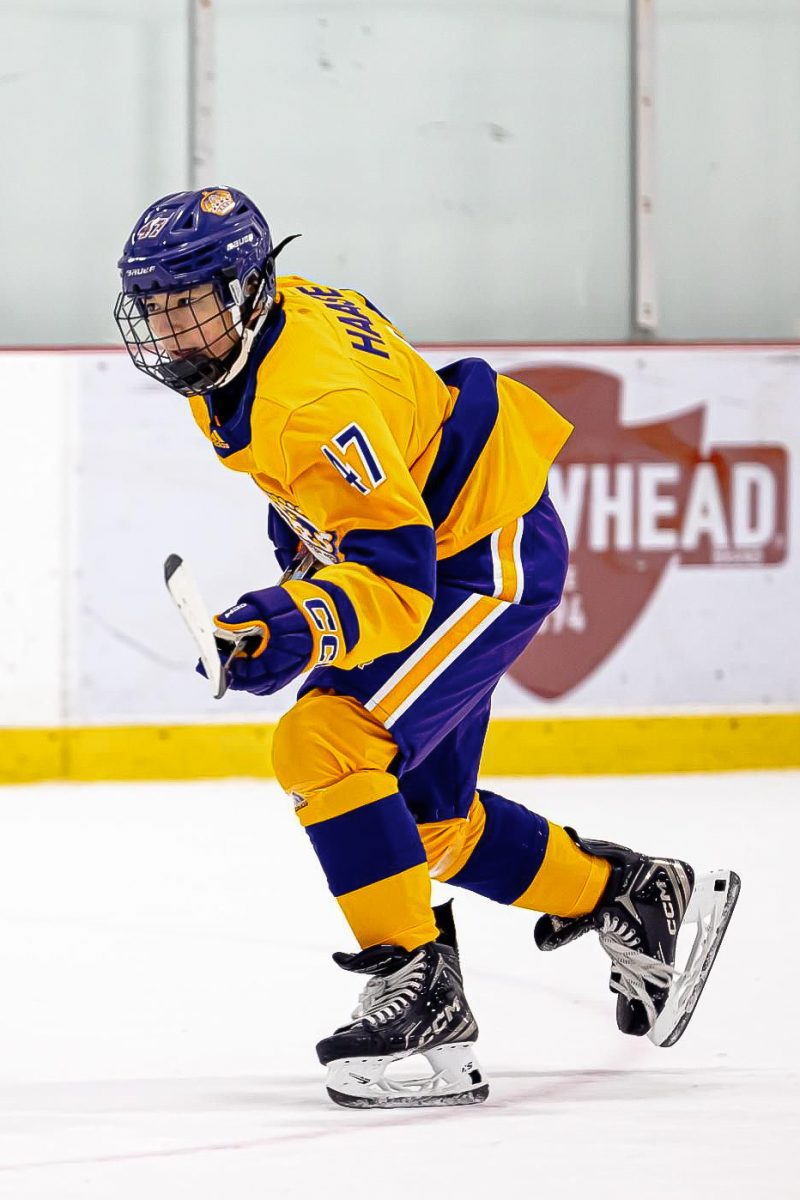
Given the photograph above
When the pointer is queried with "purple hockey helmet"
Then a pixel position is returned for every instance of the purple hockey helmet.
(198, 281)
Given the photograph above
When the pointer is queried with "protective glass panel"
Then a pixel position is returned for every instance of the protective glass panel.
(728, 233)
(464, 164)
(94, 127)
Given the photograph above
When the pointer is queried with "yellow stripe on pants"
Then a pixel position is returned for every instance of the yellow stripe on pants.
(478, 611)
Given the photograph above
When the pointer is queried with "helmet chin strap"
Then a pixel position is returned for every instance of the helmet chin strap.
(246, 338)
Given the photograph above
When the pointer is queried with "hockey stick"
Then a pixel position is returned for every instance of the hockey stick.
(184, 591)
(182, 587)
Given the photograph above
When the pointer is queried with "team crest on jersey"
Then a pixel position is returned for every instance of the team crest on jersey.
(219, 202)
(321, 544)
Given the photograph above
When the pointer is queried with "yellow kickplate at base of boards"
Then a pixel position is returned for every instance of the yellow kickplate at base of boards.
(514, 746)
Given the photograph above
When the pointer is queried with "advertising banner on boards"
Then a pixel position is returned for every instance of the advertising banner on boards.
(636, 498)
(675, 491)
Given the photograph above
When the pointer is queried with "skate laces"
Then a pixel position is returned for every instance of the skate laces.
(385, 997)
(636, 970)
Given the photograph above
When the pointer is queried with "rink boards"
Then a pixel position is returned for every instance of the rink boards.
(675, 646)
(514, 746)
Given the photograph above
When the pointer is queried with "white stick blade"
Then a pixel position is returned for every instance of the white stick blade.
(186, 594)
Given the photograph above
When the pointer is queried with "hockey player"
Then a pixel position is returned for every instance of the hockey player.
(437, 554)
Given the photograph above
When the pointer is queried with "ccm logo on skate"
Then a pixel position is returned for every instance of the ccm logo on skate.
(440, 1021)
(666, 904)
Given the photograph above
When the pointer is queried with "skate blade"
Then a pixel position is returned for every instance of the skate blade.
(476, 1096)
(710, 908)
(456, 1078)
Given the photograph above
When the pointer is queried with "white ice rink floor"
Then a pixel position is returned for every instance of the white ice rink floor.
(165, 956)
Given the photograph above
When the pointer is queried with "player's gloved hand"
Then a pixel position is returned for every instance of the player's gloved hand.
(277, 643)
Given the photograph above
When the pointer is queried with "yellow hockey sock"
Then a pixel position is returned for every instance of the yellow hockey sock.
(569, 881)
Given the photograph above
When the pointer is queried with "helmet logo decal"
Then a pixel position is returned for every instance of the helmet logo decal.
(151, 228)
(242, 241)
(219, 201)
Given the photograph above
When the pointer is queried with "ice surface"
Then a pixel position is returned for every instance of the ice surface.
(165, 975)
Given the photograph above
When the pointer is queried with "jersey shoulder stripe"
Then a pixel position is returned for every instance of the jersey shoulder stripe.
(464, 434)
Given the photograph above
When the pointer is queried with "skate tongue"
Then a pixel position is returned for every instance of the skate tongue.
(375, 960)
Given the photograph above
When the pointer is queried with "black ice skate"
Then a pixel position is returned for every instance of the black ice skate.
(413, 1003)
(647, 903)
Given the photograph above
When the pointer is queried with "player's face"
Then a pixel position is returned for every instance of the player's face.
(183, 323)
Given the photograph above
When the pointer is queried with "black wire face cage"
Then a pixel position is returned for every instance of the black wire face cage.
(187, 339)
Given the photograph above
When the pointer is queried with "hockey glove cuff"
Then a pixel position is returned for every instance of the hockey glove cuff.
(277, 644)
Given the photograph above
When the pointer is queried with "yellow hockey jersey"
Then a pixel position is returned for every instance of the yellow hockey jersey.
(379, 464)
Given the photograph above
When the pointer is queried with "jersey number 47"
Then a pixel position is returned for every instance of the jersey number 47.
(353, 435)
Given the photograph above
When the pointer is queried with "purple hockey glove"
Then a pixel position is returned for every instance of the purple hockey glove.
(277, 643)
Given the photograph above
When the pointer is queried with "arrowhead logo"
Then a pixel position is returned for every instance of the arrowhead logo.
(635, 498)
